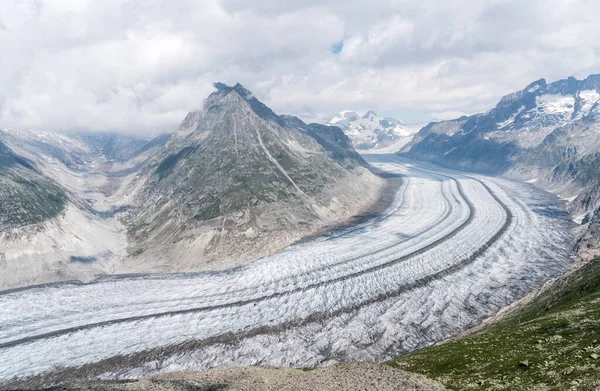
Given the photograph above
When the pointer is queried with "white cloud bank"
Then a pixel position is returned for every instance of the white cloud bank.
(140, 65)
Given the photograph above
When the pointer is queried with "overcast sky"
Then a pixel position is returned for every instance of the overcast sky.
(140, 65)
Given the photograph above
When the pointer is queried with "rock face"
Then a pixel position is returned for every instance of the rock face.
(237, 181)
(370, 131)
(548, 134)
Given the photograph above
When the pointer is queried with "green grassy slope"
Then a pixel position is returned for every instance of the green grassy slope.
(552, 343)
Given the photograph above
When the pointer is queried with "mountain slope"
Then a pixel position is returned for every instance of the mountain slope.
(26, 196)
(234, 183)
(67, 225)
(370, 131)
(237, 181)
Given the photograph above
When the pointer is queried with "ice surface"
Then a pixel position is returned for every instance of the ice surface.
(562, 105)
(588, 100)
(452, 249)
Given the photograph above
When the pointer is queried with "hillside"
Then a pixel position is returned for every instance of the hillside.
(71, 230)
(26, 196)
(548, 135)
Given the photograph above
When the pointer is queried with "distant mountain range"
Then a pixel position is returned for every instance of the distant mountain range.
(547, 134)
(371, 131)
(234, 183)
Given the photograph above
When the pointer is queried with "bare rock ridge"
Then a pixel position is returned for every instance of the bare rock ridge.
(547, 134)
(237, 181)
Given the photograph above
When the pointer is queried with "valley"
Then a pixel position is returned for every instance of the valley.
(293, 195)
(452, 249)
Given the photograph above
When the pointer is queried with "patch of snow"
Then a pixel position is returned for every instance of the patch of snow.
(578, 219)
(561, 105)
(371, 131)
(344, 117)
(588, 98)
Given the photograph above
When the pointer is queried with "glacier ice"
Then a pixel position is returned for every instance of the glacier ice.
(452, 249)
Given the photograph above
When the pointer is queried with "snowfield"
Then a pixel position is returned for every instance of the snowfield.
(452, 249)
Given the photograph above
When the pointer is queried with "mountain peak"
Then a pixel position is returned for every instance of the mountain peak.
(257, 106)
(592, 82)
(541, 83)
(345, 116)
(243, 92)
(370, 114)
(238, 88)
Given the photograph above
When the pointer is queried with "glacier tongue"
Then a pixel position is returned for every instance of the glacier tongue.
(452, 249)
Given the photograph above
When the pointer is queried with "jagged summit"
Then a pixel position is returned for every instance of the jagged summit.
(221, 98)
(370, 114)
(240, 89)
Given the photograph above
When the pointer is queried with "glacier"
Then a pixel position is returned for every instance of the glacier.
(452, 249)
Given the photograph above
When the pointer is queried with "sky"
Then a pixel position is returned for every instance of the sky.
(138, 66)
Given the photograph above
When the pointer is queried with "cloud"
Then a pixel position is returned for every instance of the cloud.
(139, 66)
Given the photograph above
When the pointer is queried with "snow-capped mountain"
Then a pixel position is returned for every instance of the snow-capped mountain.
(371, 131)
(520, 121)
(344, 117)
